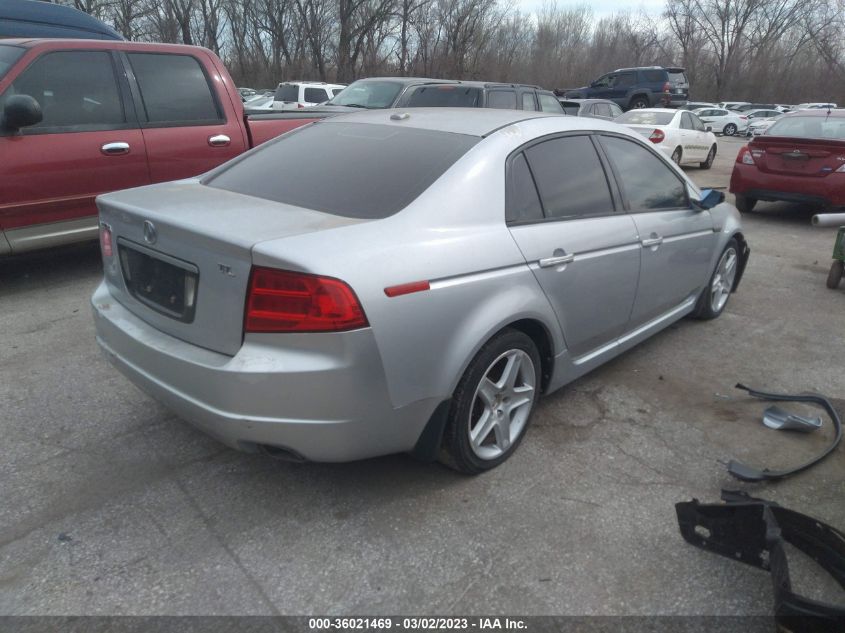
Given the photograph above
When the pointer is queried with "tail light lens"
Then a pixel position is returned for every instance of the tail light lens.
(743, 118)
(285, 301)
(106, 240)
(657, 136)
(667, 87)
(744, 157)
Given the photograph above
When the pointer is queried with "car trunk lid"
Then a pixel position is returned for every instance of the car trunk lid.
(797, 156)
(182, 255)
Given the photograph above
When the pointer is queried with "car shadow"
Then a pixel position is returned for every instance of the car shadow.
(785, 212)
(49, 267)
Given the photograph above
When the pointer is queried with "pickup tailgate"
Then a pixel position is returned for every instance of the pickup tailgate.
(182, 254)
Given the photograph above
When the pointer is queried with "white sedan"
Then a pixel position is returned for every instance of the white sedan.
(679, 134)
(726, 122)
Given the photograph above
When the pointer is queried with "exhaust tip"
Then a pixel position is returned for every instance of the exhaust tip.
(281, 453)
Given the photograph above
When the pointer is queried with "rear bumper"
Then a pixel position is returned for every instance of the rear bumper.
(826, 191)
(324, 401)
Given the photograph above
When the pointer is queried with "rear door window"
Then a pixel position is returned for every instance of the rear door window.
(374, 170)
(625, 80)
(570, 178)
(528, 101)
(648, 183)
(77, 90)
(504, 99)
(174, 89)
(686, 121)
(523, 201)
(315, 95)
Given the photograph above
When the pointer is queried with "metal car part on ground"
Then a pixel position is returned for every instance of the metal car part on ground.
(754, 531)
(781, 420)
(748, 473)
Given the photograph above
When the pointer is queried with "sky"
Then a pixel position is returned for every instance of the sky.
(600, 8)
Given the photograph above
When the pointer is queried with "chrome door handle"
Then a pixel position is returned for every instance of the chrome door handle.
(652, 241)
(115, 149)
(219, 140)
(548, 262)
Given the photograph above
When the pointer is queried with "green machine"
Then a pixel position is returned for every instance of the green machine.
(837, 267)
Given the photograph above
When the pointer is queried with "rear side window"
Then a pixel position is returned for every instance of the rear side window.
(653, 76)
(287, 92)
(602, 109)
(504, 99)
(686, 121)
(315, 95)
(570, 178)
(615, 110)
(76, 89)
(174, 89)
(648, 182)
(354, 170)
(523, 202)
(528, 101)
(444, 96)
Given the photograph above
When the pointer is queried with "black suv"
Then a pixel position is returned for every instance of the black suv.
(638, 87)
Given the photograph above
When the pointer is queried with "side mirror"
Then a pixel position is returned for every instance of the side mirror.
(710, 198)
(21, 111)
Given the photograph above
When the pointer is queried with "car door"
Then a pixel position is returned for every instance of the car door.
(620, 85)
(87, 143)
(689, 139)
(677, 240)
(186, 128)
(583, 252)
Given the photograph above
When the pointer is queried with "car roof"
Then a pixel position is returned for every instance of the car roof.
(470, 121)
(817, 112)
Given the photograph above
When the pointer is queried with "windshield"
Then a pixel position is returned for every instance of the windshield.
(809, 127)
(374, 170)
(8, 56)
(368, 94)
(638, 117)
(444, 95)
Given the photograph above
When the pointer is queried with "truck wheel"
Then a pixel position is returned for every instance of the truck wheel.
(744, 204)
(492, 405)
(711, 156)
(638, 102)
(837, 268)
(730, 129)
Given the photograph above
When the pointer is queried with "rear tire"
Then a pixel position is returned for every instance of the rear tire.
(837, 268)
(744, 204)
(492, 404)
(638, 103)
(715, 295)
(677, 155)
(729, 129)
(711, 156)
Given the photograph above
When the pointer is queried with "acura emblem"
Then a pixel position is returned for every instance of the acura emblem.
(150, 233)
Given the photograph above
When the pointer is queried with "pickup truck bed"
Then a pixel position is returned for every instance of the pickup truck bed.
(114, 115)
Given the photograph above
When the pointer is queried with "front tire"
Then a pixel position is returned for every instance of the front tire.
(744, 204)
(711, 156)
(493, 403)
(730, 129)
(837, 268)
(715, 296)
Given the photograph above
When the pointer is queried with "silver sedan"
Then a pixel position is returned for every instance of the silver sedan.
(398, 281)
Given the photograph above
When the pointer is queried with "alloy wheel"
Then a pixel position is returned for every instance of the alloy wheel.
(723, 280)
(502, 404)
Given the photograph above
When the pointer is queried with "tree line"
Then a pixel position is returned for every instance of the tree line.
(783, 51)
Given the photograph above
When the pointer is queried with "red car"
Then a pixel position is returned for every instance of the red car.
(800, 159)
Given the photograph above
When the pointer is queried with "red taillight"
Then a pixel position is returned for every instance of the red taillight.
(657, 136)
(667, 87)
(286, 301)
(744, 157)
(105, 240)
(300, 106)
(744, 118)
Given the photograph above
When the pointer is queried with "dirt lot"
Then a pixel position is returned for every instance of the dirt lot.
(113, 506)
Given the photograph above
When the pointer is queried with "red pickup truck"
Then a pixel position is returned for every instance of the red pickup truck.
(82, 117)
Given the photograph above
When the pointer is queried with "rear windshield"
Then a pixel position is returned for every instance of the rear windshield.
(809, 127)
(287, 92)
(638, 117)
(355, 170)
(444, 95)
(368, 94)
(677, 77)
(8, 56)
(570, 107)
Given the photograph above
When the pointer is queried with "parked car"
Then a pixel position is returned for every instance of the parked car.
(817, 106)
(801, 158)
(726, 122)
(762, 114)
(81, 117)
(260, 103)
(747, 107)
(634, 88)
(405, 92)
(730, 105)
(759, 126)
(593, 108)
(452, 273)
(696, 105)
(294, 95)
(29, 18)
(679, 134)
(247, 93)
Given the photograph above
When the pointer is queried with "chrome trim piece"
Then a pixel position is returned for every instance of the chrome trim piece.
(115, 149)
(219, 140)
(548, 262)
